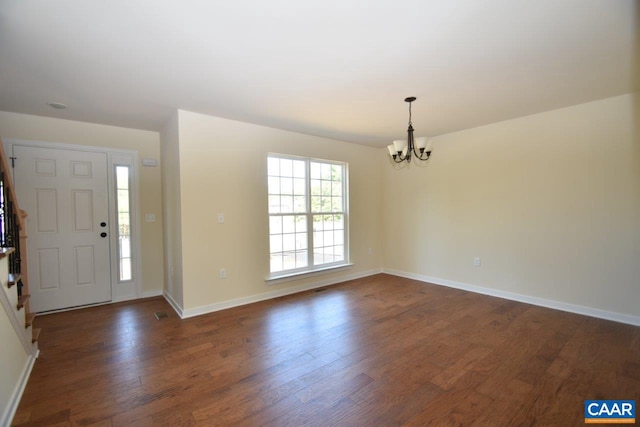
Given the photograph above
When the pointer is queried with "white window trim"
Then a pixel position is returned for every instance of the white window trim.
(126, 289)
(275, 278)
(294, 274)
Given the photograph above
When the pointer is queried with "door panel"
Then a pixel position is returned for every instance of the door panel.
(65, 194)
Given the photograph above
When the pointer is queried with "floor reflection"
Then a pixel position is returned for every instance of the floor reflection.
(308, 320)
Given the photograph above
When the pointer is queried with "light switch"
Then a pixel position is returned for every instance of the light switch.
(220, 218)
(150, 218)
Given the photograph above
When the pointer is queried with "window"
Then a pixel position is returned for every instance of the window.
(307, 214)
(124, 223)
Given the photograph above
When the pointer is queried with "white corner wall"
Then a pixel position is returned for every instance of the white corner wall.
(169, 139)
(549, 202)
(15, 368)
(222, 166)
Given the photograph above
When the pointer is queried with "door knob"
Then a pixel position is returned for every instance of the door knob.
(103, 224)
(103, 234)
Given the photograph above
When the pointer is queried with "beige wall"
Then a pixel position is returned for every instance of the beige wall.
(549, 202)
(44, 129)
(223, 169)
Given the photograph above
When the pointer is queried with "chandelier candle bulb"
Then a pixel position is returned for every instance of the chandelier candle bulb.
(421, 143)
(429, 146)
(399, 145)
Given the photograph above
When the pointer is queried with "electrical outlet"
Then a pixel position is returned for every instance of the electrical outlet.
(223, 273)
(476, 261)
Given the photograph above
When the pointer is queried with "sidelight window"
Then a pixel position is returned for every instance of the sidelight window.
(123, 202)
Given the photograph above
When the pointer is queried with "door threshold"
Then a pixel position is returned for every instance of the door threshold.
(77, 307)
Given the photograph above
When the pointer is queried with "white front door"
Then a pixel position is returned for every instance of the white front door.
(65, 194)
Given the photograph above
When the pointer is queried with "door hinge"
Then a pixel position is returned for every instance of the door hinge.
(13, 161)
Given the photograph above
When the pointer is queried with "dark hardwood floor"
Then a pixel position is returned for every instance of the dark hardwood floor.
(377, 351)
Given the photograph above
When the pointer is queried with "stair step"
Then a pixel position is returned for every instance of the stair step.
(6, 251)
(13, 279)
(28, 321)
(35, 334)
(22, 299)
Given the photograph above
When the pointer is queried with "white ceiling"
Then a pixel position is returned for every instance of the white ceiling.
(334, 68)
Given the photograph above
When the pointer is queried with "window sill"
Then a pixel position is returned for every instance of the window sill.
(275, 279)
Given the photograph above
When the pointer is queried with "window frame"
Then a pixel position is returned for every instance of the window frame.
(119, 257)
(310, 268)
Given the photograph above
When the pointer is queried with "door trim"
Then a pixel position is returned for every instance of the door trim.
(120, 291)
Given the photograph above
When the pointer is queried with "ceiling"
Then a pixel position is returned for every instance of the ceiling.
(334, 68)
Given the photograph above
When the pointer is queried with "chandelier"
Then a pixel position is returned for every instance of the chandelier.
(402, 150)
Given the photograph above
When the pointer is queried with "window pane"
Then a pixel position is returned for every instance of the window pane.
(286, 186)
(274, 204)
(124, 247)
(314, 170)
(289, 260)
(327, 238)
(326, 188)
(288, 224)
(125, 269)
(274, 185)
(299, 187)
(316, 187)
(286, 204)
(301, 241)
(325, 171)
(299, 169)
(275, 224)
(301, 223)
(325, 204)
(273, 166)
(301, 259)
(123, 200)
(299, 204)
(336, 204)
(286, 167)
(275, 243)
(336, 172)
(288, 242)
(336, 188)
(276, 262)
(124, 222)
(317, 223)
(317, 239)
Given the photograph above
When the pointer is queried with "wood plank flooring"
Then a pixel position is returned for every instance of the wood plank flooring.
(377, 351)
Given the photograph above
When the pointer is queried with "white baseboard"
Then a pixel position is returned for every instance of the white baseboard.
(173, 304)
(12, 406)
(542, 302)
(151, 294)
(210, 308)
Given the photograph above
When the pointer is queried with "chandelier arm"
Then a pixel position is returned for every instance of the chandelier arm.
(424, 155)
(410, 149)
